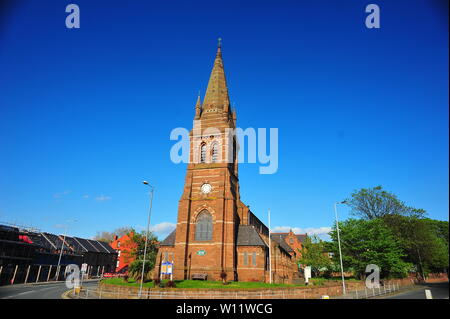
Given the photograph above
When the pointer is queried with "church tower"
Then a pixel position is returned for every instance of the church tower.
(216, 233)
(205, 237)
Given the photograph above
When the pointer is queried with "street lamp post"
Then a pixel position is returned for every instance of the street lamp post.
(146, 235)
(339, 245)
(270, 253)
(62, 248)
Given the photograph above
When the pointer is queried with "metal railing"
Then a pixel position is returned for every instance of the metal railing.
(367, 293)
(98, 293)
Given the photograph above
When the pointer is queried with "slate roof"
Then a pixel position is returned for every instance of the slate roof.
(106, 246)
(279, 238)
(170, 240)
(301, 238)
(76, 245)
(87, 245)
(248, 236)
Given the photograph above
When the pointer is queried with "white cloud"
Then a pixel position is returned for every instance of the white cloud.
(102, 198)
(322, 232)
(161, 230)
(85, 196)
(59, 195)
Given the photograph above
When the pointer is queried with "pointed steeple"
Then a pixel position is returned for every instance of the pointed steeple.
(198, 107)
(217, 92)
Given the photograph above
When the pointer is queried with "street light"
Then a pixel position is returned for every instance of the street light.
(146, 235)
(62, 248)
(339, 244)
(270, 252)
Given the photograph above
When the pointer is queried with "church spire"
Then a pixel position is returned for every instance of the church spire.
(217, 92)
(198, 107)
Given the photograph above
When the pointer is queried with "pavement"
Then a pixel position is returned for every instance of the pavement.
(438, 290)
(51, 290)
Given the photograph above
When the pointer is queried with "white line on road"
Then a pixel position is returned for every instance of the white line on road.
(26, 292)
(19, 294)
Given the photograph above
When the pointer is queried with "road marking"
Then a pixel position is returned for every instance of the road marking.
(19, 294)
(26, 292)
(43, 289)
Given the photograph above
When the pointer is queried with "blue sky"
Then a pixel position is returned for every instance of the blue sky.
(85, 114)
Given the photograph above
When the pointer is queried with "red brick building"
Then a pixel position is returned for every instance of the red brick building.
(123, 245)
(216, 232)
(292, 242)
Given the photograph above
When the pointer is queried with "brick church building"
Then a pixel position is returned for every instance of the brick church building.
(216, 232)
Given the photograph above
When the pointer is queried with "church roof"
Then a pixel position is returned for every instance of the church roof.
(248, 236)
(170, 240)
(301, 238)
(279, 238)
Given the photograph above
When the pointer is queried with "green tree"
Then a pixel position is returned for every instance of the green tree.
(137, 253)
(371, 203)
(109, 236)
(314, 254)
(424, 241)
(365, 242)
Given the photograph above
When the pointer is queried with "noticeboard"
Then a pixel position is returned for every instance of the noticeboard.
(167, 268)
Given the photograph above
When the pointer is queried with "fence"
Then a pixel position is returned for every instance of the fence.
(103, 292)
(23, 274)
(373, 292)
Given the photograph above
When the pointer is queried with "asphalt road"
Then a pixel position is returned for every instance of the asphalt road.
(438, 291)
(38, 291)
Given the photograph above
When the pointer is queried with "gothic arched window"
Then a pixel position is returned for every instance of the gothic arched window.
(215, 152)
(203, 153)
(203, 226)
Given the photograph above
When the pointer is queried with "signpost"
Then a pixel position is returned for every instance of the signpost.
(83, 271)
(307, 274)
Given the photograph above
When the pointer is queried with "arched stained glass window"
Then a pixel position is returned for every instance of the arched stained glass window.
(215, 153)
(203, 153)
(203, 226)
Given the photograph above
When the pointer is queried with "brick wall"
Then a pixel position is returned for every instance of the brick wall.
(312, 292)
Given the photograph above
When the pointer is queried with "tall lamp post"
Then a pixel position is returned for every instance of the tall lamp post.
(270, 252)
(146, 235)
(62, 248)
(339, 244)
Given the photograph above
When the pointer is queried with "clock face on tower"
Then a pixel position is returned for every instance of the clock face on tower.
(206, 188)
